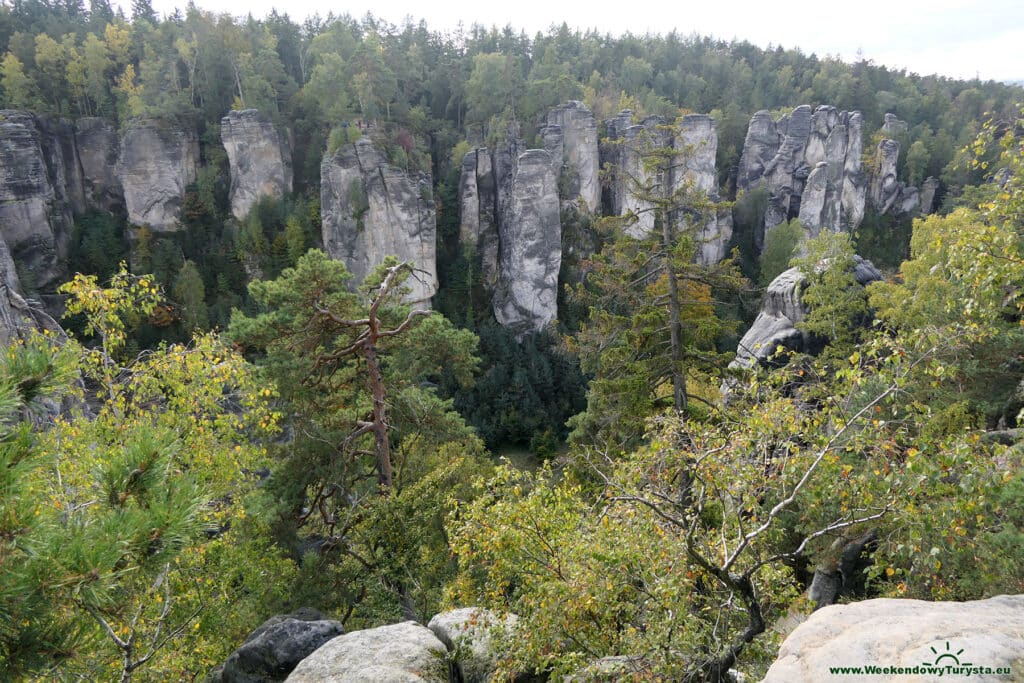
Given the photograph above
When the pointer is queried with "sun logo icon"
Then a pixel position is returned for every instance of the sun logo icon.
(947, 658)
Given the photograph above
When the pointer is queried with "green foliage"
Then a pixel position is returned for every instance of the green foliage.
(838, 306)
(373, 563)
(123, 503)
(190, 294)
(780, 245)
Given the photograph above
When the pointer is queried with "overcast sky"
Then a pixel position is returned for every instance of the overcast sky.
(959, 38)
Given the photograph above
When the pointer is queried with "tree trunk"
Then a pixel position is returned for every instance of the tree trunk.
(380, 426)
(675, 324)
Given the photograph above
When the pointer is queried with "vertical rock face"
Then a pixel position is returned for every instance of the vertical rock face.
(888, 194)
(158, 161)
(98, 148)
(885, 189)
(630, 145)
(260, 159)
(478, 202)
(35, 203)
(530, 252)
(636, 151)
(759, 148)
(577, 152)
(371, 210)
(892, 125)
(17, 318)
(812, 203)
(929, 190)
(783, 156)
(694, 168)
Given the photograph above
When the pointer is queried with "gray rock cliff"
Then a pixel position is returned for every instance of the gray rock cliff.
(890, 195)
(696, 140)
(631, 150)
(18, 318)
(530, 251)
(782, 156)
(259, 157)
(158, 161)
(36, 160)
(478, 208)
(371, 210)
(929, 193)
(781, 309)
(571, 138)
(98, 149)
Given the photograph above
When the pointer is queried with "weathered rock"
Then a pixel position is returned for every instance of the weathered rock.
(906, 633)
(259, 156)
(888, 194)
(35, 206)
(781, 310)
(759, 148)
(576, 153)
(634, 177)
(273, 650)
(467, 633)
(782, 156)
(929, 190)
(892, 125)
(812, 203)
(372, 210)
(775, 324)
(478, 202)
(158, 161)
(530, 254)
(399, 653)
(98, 149)
(885, 188)
(18, 318)
(694, 168)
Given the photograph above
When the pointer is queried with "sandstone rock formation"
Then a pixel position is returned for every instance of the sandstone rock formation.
(399, 653)
(929, 192)
(781, 310)
(892, 125)
(635, 151)
(466, 632)
(478, 206)
(158, 161)
(510, 219)
(530, 246)
(888, 194)
(786, 156)
(98, 147)
(636, 178)
(694, 168)
(259, 156)
(36, 159)
(571, 137)
(905, 633)
(273, 650)
(18, 318)
(371, 210)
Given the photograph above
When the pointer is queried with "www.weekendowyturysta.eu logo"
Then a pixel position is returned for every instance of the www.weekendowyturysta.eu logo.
(947, 660)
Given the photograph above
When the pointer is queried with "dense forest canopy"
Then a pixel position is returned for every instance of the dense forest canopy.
(232, 427)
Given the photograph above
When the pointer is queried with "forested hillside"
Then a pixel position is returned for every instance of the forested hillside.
(280, 297)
